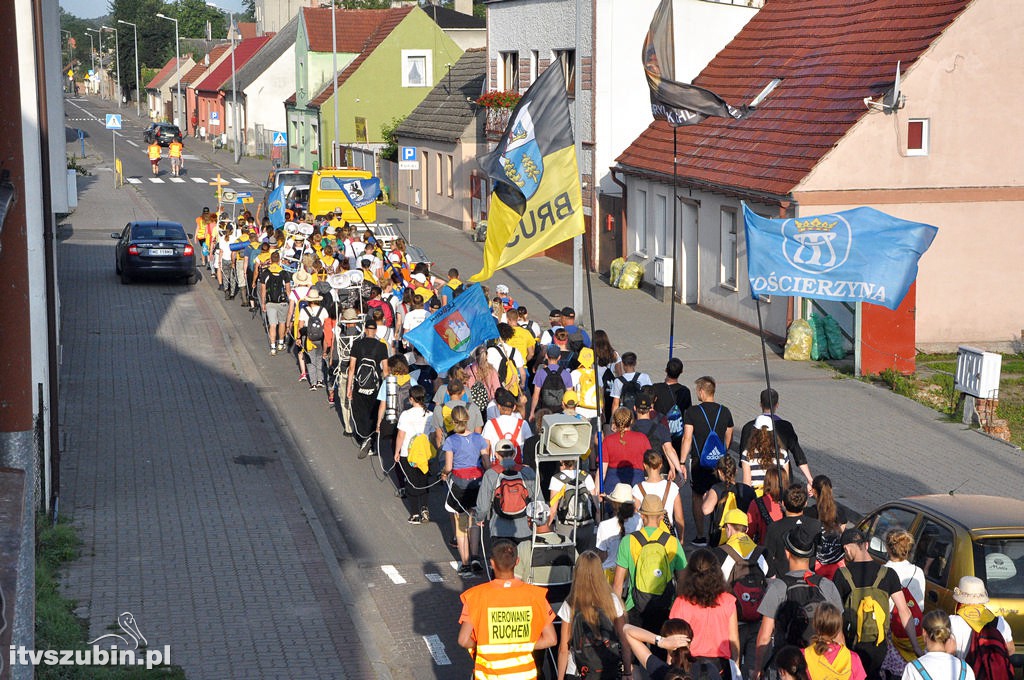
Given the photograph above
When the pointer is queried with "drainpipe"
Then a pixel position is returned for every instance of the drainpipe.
(625, 205)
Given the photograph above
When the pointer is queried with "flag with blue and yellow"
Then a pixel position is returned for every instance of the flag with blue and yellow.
(537, 202)
(276, 207)
(450, 334)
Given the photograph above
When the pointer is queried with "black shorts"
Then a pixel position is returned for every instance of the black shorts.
(463, 493)
(701, 478)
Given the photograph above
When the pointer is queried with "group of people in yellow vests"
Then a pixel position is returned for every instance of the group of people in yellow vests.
(174, 151)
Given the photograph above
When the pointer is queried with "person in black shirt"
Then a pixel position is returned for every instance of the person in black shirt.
(672, 393)
(861, 571)
(794, 500)
(362, 392)
(787, 435)
(697, 424)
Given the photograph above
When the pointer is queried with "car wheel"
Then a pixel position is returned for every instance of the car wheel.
(192, 279)
(125, 279)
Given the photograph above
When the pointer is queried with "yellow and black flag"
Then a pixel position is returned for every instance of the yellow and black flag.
(672, 101)
(536, 202)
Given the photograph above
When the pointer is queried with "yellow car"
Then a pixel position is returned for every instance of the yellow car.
(960, 535)
(326, 195)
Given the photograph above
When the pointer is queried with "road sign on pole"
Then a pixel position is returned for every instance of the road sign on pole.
(280, 139)
(113, 121)
(214, 119)
(408, 158)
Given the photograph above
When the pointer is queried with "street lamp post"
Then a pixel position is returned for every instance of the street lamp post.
(138, 85)
(92, 52)
(177, 68)
(99, 35)
(117, 62)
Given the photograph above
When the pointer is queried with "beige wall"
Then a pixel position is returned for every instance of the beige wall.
(453, 210)
(970, 185)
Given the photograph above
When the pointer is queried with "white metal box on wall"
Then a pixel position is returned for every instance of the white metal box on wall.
(977, 372)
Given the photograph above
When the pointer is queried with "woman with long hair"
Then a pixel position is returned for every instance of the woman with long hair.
(465, 455)
(705, 602)
(899, 544)
(830, 556)
(609, 367)
(623, 521)
(675, 637)
(767, 508)
(760, 453)
(828, 656)
(624, 450)
(592, 605)
(939, 661)
(717, 500)
(481, 372)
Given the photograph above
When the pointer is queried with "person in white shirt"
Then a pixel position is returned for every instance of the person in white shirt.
(938, 661)
(569, 476)
(972, 614)
(414, 421)
(655, 483)
(503, 350)
(623, 522)
(629, 373)
(508, 425)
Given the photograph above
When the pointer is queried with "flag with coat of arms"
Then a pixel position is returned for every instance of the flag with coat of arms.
(858, 255)
(275, 207)
(450, 334)
(537, 200)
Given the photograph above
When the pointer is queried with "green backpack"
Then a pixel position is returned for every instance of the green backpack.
(651, 578)
(866, 610)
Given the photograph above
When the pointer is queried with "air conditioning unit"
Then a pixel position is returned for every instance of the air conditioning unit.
(663, 271)
(977, 372)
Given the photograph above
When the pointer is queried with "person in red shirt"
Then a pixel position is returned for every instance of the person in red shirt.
(505, 620)
(623, 451)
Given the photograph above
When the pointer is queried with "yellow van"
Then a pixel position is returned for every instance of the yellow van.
(325, 194)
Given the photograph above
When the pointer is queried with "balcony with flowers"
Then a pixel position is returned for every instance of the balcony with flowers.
(499, 105)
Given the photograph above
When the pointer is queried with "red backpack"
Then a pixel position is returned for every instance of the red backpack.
(987, 654)
(748, 583)
(511, 495)
(916, 613)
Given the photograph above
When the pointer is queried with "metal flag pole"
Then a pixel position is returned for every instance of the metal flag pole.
(597, 387)
(675, 242)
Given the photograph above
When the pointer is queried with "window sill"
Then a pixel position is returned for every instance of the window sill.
(729, 286)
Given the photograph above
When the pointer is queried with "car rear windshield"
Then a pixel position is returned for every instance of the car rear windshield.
(161, 233)
(1000, 563)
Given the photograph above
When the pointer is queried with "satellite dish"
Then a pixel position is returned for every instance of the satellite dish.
(893, 100)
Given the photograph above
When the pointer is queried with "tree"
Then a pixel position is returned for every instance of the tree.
(193, 15)
(248, 11)
(389, 151)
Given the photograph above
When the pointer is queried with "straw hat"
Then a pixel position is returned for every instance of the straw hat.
(971, 590)
(622, 493)
(302, 278)
(652, 506)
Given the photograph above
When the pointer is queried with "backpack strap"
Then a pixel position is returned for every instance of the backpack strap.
(515, 432)
(766, 516)
(497, 430)
(919, 667)
(963, 669)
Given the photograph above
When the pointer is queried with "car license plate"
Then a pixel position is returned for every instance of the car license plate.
(161, 251)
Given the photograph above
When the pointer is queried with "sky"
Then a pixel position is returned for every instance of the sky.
(90, 9)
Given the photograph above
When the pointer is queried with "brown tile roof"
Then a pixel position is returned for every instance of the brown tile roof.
(829, 53)
(202, 67)
(244, 51)
(388, 20)
(162, 74)
(247, 29)
(354, 27)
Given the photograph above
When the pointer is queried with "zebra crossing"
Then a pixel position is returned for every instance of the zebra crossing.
(184, 180)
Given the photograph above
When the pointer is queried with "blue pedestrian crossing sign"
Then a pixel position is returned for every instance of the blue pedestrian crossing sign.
(280, 139)
(113, 121)
(408, 158)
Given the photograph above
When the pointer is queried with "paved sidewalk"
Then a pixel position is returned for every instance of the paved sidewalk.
(180, 481)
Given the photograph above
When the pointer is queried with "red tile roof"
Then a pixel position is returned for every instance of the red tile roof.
(248, 29)
(353, 27)
(829, 53)
(220, 75)
(202, 67)
(162, 74)
(389, 21)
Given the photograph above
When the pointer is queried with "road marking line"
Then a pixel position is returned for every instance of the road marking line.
(133, 180)
(392, 574)
(240, 180)
(156, 180)
(177, 180)
(199, 180)
(455, 565)
(436, 648)
(189, 157)
(132, 143)
(434, 578)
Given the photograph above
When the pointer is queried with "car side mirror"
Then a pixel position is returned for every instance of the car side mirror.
(114, 234)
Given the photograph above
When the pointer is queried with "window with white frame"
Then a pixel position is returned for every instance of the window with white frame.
(729, 249)
(450, 173)
(417, 68)
(661, 244)
(566, 60)
(640, 219)
(510, 70)
(917, 137)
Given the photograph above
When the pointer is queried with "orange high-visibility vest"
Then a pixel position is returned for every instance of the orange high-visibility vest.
(508, 618)
(174, 150)
(154, 151)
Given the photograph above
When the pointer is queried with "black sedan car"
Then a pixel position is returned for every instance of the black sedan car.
(162, 133)
(154, 248)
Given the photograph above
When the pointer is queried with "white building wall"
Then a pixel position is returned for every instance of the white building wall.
(264, 98)
(702, 29)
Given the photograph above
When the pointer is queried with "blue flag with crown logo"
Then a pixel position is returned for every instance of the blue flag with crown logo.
(450, 334)
(858, 255)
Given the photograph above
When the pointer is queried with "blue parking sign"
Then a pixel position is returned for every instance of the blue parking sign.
(408, 153)
(408, 158)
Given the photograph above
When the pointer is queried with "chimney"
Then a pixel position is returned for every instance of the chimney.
(464, 6)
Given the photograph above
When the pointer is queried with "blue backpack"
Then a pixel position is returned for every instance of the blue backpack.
(713, 449)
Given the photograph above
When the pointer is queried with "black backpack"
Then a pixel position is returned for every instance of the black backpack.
(630, 391)
(748, 583)
(576, 507)
(275, 287)
(598, 653)
(367, 377)
(315, 327)
(576, 342)
(552, 389)
(793, 618)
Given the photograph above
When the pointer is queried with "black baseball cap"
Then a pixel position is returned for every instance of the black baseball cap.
(644, 402)
(568, 311)
(555, 312)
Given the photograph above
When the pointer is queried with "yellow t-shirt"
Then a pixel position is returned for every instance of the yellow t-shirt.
(522, 341)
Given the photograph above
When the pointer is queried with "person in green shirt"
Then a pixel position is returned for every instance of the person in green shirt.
(654, 561)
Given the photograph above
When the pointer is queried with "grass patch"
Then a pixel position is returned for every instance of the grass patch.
(57, 627)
